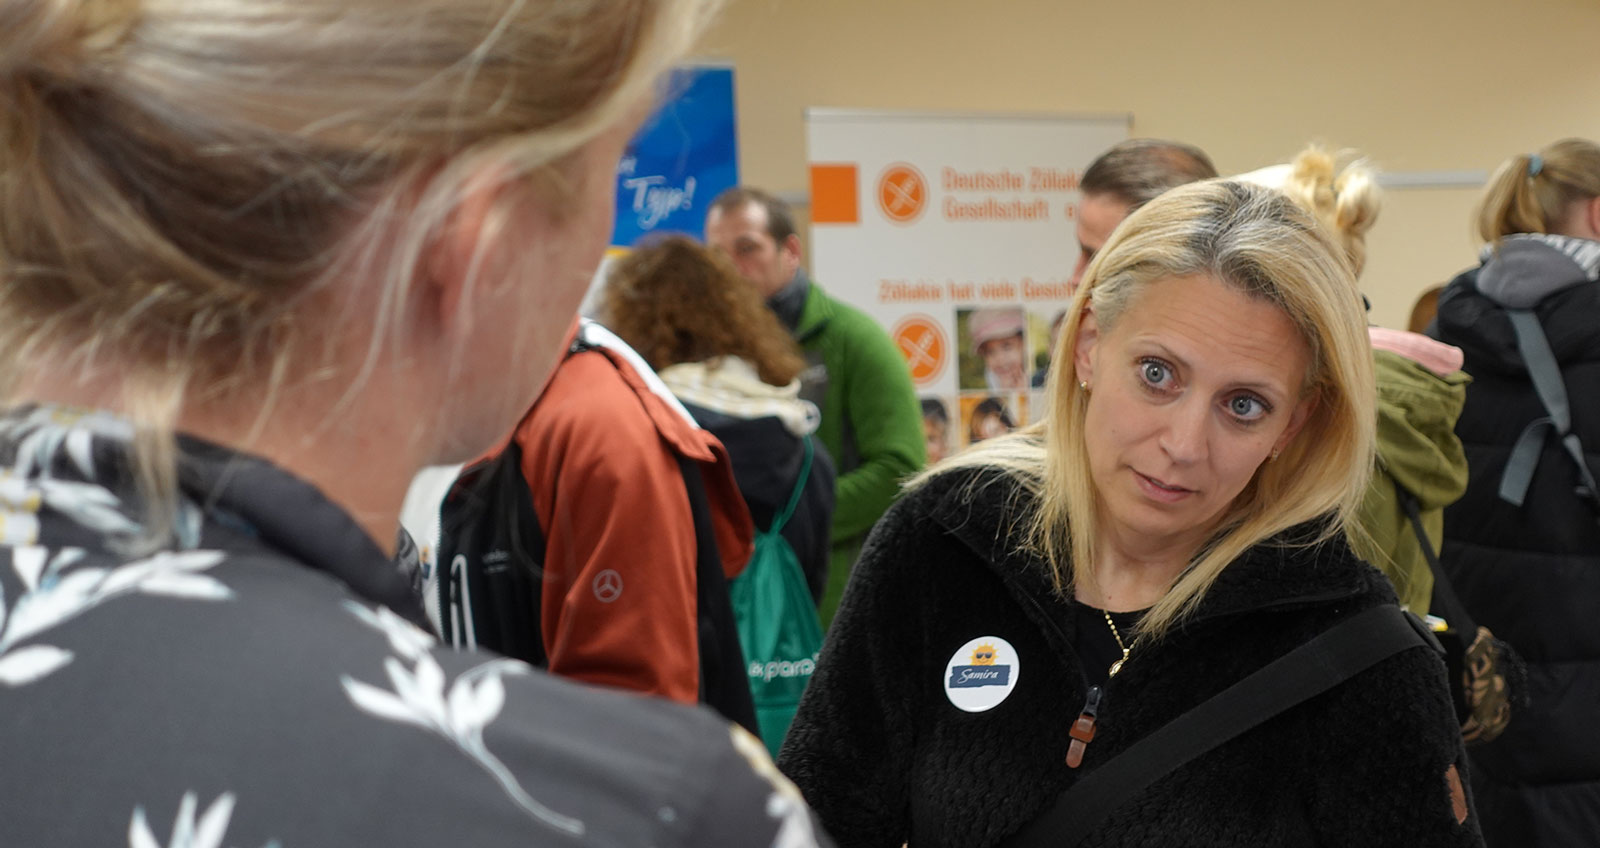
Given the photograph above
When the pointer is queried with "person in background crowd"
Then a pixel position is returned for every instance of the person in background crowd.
(990, 418)
(1525, 556)
(262, 260)
(857, 376)
(605, 451)
(1042, 373)
(724, 355)
(936, 428)
(1421, 386)
(1126, 177)
(1174, 524)
(997, 340)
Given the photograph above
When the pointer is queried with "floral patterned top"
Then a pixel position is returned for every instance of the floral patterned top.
(267, 679)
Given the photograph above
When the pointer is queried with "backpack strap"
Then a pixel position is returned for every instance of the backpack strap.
(1444, 594)
(1552, 392)
(724, 680)
(781, 520)
(1328, 659)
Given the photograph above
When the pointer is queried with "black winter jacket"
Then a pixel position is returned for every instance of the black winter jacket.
(1532, 574)
(884, 757)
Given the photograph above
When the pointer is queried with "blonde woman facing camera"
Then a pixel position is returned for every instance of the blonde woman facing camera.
(1039, 613)
(247, 247)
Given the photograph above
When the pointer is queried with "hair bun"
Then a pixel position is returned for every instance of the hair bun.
(56, 37)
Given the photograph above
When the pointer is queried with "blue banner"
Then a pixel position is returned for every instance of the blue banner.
(683, 157)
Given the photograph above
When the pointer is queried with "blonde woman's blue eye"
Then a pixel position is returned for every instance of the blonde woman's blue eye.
(1153, 372)
(1247, 407)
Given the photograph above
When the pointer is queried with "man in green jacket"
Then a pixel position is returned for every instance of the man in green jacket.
(871, 419)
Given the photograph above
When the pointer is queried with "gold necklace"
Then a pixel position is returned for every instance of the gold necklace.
(1116, 666)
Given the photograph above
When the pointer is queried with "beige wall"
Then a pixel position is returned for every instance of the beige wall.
(1428, 85)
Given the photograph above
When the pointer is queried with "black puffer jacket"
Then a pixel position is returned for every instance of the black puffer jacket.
(884, 756)
(1532, 574)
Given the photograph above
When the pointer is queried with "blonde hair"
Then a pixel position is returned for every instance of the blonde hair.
(1342, 192)
(1258, 241)
(1531, 195)
(181, 184)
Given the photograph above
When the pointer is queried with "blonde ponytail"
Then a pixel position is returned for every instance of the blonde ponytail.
(1531, 192)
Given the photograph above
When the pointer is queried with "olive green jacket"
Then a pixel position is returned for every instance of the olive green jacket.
(1417, 449)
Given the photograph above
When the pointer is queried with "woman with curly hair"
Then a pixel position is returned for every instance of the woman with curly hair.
(734, 367)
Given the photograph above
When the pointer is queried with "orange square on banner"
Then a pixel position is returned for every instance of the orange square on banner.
(833, 194)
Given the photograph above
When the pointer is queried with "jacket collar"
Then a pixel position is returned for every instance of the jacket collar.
(987, 511)
(817, 313)
(89, 455)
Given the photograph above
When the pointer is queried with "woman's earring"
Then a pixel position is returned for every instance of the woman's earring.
(1274, 455)
(1084, 384)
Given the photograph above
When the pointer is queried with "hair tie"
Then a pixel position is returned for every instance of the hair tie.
(1535, 165)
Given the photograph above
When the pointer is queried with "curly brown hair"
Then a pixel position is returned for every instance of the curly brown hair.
(675, 301)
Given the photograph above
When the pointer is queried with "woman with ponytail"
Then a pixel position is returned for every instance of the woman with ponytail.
(1522, 547)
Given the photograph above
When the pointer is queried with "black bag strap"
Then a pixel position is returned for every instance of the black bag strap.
(781, 520)
(1444, 598)
(724, 680)
(1326, 660)
(1547, 384)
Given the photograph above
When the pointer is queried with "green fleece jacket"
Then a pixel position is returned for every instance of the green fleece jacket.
(871, 422)
(1417, 449)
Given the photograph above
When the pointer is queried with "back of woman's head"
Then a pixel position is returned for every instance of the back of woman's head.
(676, 301)
(1534, 192)
(1341, 192)
(203, 202)
(182, 181)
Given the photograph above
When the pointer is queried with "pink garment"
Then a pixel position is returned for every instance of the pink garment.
(1436, 356)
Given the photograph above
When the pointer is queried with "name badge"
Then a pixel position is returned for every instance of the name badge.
(982, 674)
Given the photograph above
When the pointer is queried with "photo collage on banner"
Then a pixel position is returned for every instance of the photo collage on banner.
(957, 233)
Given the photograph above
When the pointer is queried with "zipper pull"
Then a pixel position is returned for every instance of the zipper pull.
(1082, 731)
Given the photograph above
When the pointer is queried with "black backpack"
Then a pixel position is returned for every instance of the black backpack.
(491, 576)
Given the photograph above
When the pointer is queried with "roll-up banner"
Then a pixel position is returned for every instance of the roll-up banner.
(957, 233)
(682, 158)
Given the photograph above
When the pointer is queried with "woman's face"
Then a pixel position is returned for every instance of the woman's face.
(1191, 390)
(1004, 358)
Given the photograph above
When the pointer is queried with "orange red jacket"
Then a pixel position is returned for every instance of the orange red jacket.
(600, 452)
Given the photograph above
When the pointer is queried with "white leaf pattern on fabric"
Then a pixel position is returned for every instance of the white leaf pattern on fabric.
(80, 444)
(380, 702)
(208, 831)
(29, 664)
(44, 436)
(28, 562)
(475, 700)
(405, 638)
(59, 595)
(192, 586)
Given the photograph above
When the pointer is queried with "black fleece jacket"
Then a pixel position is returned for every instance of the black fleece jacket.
(884, 757)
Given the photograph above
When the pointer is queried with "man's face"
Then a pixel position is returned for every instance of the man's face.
(742, 235)
(1098, 215)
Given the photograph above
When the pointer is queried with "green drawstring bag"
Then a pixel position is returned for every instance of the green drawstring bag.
(777, 620)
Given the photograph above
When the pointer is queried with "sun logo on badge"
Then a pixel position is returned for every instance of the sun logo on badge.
(983, 655)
